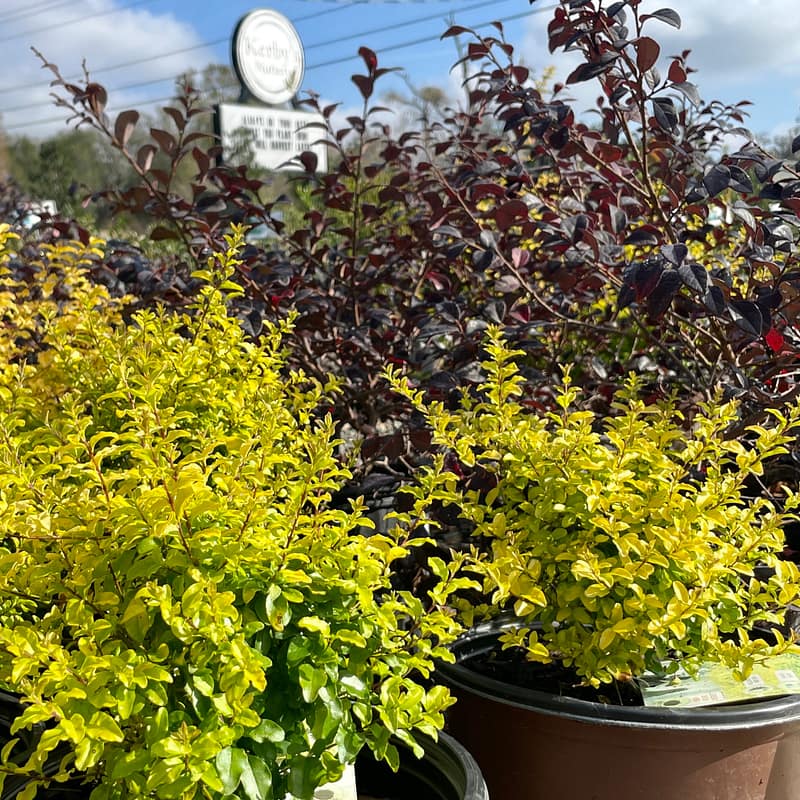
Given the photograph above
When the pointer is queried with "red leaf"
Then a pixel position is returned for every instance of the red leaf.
(177, 117)
(677, 74)
(370, 59)
(364, 83)
(166, 141)
(647, 52)
(309, 161)
(201, 159)
(159, 233)
(520, 74)
(144, 158)
(510, 212)
(520, 257)
(608, 152)
(440, 282)
(476, 50)
(455, 30)
(482, 190)
(775, 341)
(123, 127)
(97, 98)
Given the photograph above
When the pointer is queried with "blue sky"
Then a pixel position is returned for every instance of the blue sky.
(745, 49)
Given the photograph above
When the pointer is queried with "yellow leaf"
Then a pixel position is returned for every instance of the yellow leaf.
(606, 638)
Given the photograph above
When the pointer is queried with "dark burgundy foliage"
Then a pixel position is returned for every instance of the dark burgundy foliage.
(628, 239)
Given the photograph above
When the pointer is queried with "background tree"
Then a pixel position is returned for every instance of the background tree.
(65, 168)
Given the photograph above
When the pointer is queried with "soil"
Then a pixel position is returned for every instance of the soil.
(511, 666)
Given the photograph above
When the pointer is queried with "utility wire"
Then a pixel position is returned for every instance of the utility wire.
(425, 39)
(314, 46)
(136, 62)
(75, 21)
(319, 65)
(33, 10)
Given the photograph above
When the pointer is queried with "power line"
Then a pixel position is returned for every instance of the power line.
(346, 59)
(75, 21)
(136, 62)
(314, 46)
(33, 10)
(426, 39)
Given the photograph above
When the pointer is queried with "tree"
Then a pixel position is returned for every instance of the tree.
(65, 168)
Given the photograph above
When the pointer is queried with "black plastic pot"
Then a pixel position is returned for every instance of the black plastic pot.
(447, 772)
(532, 744)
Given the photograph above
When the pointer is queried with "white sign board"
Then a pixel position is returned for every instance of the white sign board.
(268, 56)
(273, 135)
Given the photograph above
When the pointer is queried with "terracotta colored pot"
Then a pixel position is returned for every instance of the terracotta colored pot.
(532, 745)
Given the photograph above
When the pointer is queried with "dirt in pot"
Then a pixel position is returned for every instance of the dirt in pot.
(510, 666)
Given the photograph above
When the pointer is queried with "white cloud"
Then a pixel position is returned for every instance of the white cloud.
(743, 50)
(105, 36)
(732, 42)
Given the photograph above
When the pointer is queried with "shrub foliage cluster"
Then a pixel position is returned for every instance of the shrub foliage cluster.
(623, 544)
(178, 598)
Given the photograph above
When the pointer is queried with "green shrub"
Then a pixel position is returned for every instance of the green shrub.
(631, 542)
(178, 602)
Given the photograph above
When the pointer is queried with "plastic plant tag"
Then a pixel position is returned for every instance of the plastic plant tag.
(343, 789)
(715, 684)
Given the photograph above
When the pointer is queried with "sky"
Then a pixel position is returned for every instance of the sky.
(743, 49)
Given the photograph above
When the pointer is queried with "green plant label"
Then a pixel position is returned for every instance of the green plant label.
(716, 684)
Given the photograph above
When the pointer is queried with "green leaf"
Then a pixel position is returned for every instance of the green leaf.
(305, 775)
(256, 779)
(277, 608)
(136, 619)
(267, 731)
(103, 727)
(314, 625)
(169, 747)
(351, 637)
(157, 727)
(311, 681)
(178, 787)
(225, 770)
(203, 681)
(129, 763)
(234, 769)
(87, 754)
(29, 790)
(8, 747)
(74, 728)
(354, 684)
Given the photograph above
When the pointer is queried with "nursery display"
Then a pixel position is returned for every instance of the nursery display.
(595, 318)
(182, 613)
(620, 545)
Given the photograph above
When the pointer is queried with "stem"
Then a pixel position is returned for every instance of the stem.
(641, 152)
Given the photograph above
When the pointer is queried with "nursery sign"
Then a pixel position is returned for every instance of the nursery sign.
(268, 56)
(273, 136)
(268, 59)
(715, 684)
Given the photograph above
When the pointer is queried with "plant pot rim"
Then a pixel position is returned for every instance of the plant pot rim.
(446, 758)
(769, 712)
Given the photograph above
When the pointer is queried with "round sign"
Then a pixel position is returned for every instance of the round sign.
(268, 56)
